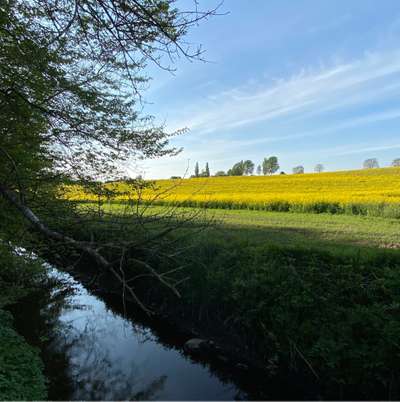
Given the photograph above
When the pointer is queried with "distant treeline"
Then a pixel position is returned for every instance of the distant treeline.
(269, 166)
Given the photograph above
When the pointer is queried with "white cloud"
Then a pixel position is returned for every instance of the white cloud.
(309, 92)
(370, 118)
(372, 148)
(341, 91)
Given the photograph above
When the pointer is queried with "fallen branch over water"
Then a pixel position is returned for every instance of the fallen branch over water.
(13, 198)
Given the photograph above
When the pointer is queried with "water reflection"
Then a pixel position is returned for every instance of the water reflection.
(110, 357)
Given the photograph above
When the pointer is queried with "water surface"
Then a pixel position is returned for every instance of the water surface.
(111, 357)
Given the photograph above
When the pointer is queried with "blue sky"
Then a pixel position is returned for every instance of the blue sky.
(308, 81)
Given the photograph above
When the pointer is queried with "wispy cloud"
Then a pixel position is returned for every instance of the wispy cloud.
(373, 148)
(370, 118)
(308, 93)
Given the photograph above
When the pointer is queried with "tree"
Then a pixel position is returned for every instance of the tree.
(259, 170)
(70, 92)
(319, 168)
(220, 173)
(248, 167)
(270, 165)
(207, 171)
(196, 170)
(241, 168)
(298, 169)
(396, 162)
(371, 163)
(237, 169)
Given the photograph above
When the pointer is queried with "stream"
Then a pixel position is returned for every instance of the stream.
(94, 348)
(95, 353)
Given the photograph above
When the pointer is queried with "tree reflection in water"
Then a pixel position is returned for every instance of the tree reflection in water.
(110, 357)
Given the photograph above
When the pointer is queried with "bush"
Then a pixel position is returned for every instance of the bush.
(21, 376)
(334, 315)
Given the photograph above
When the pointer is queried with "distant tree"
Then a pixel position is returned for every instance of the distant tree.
(282, 172)
(176, 177)
(371, 163)
(319, 168)
(248, 167)
(207, 171)
(270, 165)
(298, 169)
(220, 173)
(196, 170)
(237, 169)
(259, 169)
(396, 162)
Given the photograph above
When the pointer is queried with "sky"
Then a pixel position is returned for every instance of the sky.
(308, 81)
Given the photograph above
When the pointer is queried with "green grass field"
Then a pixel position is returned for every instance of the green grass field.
(335, 232)
(313, 290)
(310, 229)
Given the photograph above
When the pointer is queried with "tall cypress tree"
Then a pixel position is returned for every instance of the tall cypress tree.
(207, 171)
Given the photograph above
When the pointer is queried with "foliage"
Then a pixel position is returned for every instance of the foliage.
(204, 173)
(270, 165)
(332, 315)
(371, 163)
(361, 192)
(298, 169)
(71, 78)
(335, 314)
(241, 168)
(21, 376)
(319, 168)
(19, 275)
(248, 167)
(396, 162)
(220, 173)
(196, 170)
(72, 74)
(237, 169)
(207, 171)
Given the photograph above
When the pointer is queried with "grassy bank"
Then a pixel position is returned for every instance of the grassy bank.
(21, 368)
(316, 292)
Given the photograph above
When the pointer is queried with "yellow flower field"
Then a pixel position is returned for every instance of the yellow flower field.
(372, 191)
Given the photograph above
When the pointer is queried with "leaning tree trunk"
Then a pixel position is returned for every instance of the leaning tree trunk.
(13, 198)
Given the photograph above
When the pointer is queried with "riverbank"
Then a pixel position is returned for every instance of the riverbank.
(21, 367)
(316, 314)
(324, 312)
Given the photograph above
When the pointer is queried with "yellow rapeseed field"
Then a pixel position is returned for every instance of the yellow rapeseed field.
(371, 191)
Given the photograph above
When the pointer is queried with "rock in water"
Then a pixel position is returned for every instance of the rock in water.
(196, 345)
